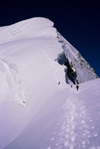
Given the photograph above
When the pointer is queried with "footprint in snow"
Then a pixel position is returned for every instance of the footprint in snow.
(75, 127)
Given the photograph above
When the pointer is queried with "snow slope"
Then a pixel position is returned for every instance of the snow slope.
(36, 112)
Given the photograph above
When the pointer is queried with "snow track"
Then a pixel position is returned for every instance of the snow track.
(75, 128)
(75, 124)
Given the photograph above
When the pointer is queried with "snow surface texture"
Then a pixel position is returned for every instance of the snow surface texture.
(38, 110)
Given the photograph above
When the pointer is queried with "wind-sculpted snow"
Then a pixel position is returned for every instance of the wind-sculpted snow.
(38, 109)
(13, 80)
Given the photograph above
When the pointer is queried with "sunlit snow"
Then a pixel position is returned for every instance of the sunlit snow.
(38, 110)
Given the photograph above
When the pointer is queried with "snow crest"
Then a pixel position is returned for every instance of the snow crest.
(31, 28)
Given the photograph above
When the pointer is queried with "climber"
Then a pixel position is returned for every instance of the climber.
(77, 87)
(59, 83)
(71, 86)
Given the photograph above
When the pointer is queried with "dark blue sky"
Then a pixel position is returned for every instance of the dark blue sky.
(78, 22)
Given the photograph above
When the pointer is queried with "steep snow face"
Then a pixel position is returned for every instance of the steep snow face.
(83, 71)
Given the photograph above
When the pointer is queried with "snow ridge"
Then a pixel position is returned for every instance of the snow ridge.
(33, 73)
